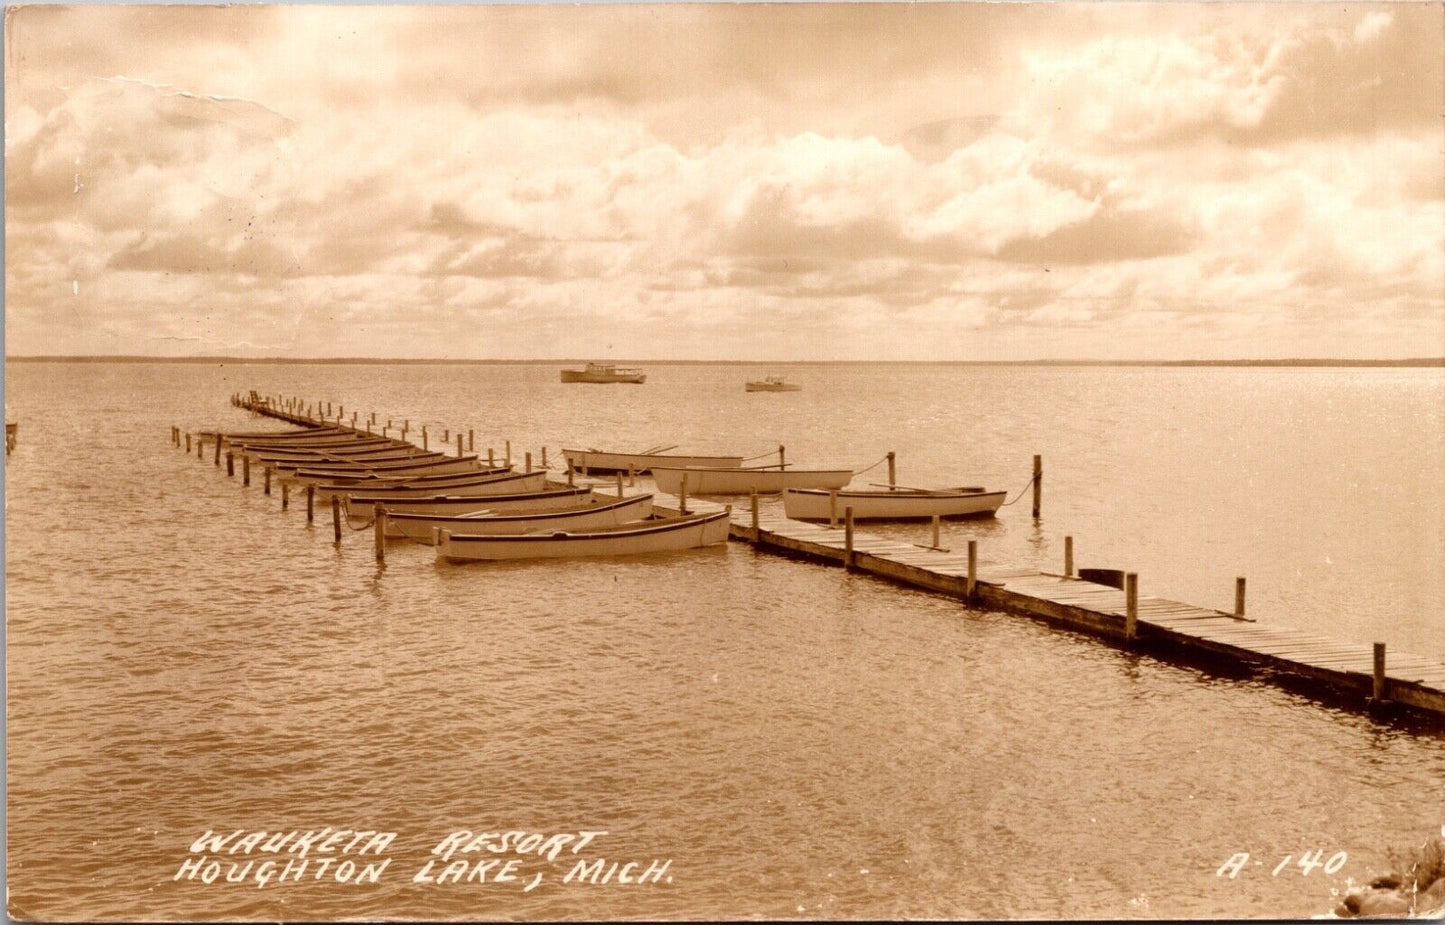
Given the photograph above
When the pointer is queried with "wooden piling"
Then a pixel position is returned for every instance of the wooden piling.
(971, 587)
(528, 461)
(509, 452)
(230, 463)
(246, 471)
(491, 458)
(423, 437)
(893, 471)
(544, 457)
(379, 514)
(569, 477)
(1038, 483)
(1131, 605)
(1068, 557)
(936, 521)
(471, 440)
(188, 443)
(848, 538)
(682, 496)
(310, 502)
(782, 457)
(218, 450)
(285, 494)
(200, 447)
(1239, 596)
(832, 508)
(446, 435)
(753, 505)
(459, 445)
(619, 484)
(266, 472)
(1378, 687)
(632, 475)
(336, 516)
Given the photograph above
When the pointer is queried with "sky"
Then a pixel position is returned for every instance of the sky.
(960, 181)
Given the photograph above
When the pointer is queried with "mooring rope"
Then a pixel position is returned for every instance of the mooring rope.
(346, 516)
(872, 467)
(760, 456)
(1031, 480)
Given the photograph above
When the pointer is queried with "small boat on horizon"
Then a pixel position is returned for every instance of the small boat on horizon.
(604, 373)
(895, 503)
(773, 383)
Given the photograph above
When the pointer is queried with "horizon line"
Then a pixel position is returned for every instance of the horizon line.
(540, 361)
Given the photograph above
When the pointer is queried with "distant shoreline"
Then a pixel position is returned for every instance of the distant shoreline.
(1417, 362)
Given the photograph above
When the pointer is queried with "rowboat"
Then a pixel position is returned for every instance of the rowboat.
(243, 435)
(300, 440)
(899, 504)
(422, 527)
(740, 481)
(359, 508)
(589, 461)
(666, 534)
(773, 384)
(504, 484)
(410, 480)
(334, 472)
(604, 372)
(357, 455)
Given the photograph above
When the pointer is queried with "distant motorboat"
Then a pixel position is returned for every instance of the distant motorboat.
(897, 504)
(603, 373)
(773, 384)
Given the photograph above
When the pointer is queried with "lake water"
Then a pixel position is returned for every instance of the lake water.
(800, 743)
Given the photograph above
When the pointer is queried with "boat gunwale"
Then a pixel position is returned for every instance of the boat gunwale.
(649, 527)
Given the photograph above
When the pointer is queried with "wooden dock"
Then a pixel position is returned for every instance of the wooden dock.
(1152, 624)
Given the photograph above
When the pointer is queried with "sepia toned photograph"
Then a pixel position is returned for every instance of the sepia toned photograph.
(725, 461)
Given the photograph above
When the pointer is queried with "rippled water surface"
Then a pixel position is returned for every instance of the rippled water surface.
(801, 743)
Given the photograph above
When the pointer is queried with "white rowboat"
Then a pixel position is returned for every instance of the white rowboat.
(506, 484)
(422, 527)
(709, 481)
(904, 504)
(589, 461)
(662, 535)
(359, 508)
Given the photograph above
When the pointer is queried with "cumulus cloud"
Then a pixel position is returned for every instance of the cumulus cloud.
(690, 176)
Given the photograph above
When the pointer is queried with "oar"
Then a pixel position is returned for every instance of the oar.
(656, 449)
(930, 491)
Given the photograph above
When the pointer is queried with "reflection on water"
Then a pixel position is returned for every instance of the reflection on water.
(799, 742)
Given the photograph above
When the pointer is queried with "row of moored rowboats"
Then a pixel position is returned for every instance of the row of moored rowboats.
(473, 511)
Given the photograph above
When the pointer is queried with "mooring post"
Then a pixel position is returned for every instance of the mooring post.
(379, 513)
(200, 447)
(528, 462)
(1131, 605)
(753, 505)
(446, 435)
(336, 516)
(544, 458)
(266, 472)
(1068, 557)
(353, 420)
(682, 495)
(310, 502)
(509, 452)
(972, 585)
(1038, 483)
(459, 445)
(491, 458)
(583, 461)
(936, 520)
(471, 440)
(832, 509)
(188, 443)
(230, 463)
(632, 475)
(368, 428)
(218, 450)
(782, 457)
(245, 470)
(1239, 596)
(848, 538)
(423, 437)
(285, 494)
(569, 477)
(892, 470)
(1378, 688)
(619, 483)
